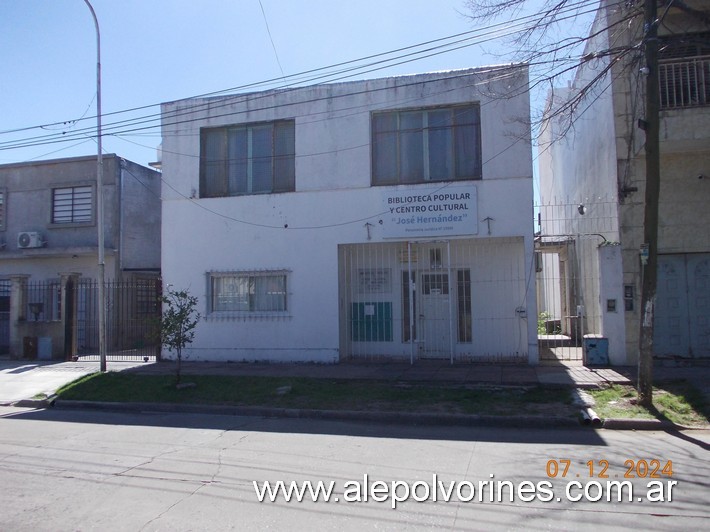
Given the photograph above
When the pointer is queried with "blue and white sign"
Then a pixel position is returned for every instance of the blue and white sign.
(445, 210)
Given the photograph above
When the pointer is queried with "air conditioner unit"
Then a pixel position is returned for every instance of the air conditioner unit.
(29, 239)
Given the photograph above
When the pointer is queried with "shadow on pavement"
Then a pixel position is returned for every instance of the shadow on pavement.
(572, 435)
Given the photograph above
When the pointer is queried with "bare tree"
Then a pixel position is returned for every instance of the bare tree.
(554, 46)
(557, 40)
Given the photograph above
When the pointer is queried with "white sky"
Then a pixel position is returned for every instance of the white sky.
(161, 50)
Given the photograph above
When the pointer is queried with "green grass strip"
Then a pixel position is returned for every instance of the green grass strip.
(326, 394)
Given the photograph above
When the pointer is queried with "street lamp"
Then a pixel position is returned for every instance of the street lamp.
(100, 198)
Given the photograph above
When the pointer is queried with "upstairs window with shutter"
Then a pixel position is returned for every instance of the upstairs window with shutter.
(72, 205)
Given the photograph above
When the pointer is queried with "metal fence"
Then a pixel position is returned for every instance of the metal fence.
(447, 299)
(62, 318)
(43, 301)
(132, 319)
(567, 269)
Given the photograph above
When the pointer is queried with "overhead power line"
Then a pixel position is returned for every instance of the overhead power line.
(130, 125)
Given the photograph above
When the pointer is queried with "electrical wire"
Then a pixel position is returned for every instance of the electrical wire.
(268, 30)
(135, 121)
(299, 76)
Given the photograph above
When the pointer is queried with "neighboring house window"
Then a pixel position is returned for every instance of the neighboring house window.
(2, 210)
(247, 159)
(417, 146)
(72, 205)
(248, 292)
(684, 70)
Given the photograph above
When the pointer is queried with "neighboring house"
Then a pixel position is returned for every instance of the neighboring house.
(48, 234)
(387, 218)
(592, 182)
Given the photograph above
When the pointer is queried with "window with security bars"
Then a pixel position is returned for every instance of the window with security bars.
(422, 145)
(247, 159)
(248, 292)
(72, 205)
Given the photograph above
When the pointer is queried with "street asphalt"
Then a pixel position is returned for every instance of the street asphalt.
(99, 470)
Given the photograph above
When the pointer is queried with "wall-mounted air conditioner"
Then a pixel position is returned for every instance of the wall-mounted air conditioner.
(29, 239)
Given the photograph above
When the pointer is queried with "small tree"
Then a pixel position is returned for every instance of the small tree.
(177, 324)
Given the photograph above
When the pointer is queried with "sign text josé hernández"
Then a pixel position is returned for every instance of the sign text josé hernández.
(446, 210)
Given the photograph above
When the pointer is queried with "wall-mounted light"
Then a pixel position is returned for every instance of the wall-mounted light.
(582, 209)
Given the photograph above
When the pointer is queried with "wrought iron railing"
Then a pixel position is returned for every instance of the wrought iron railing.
(684, 83)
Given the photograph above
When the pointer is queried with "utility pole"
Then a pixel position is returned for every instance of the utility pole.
(100, 201)
(649, 263)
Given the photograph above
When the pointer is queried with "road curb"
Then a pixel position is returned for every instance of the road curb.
(401, 418)
(47, 402)
(644, 424)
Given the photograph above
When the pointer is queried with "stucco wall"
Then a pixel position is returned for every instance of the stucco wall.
(300, 231)
(73, 247)
(140, 217)
(604, 152)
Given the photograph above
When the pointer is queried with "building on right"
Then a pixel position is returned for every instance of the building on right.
(589, 240)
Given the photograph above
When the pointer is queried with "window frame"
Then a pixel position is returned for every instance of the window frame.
(422, 139)
(73, 222)
(254, 307)
(228, 182)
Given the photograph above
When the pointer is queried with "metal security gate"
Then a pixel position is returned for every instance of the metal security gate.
(446, 299)
(682, 319)
(567, 268)
(132, 314)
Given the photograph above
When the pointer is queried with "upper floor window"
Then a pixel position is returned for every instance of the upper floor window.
(72, 205)
(684, 70)
(435, 144)
(247, 159)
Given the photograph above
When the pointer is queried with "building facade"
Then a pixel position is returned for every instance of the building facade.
(48, 235)
(386, 218)
(592, 182)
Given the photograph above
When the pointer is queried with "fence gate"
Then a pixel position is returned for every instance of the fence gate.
(568, 274)
(132, 314)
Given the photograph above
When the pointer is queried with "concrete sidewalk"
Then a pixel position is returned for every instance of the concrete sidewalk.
(25, 379)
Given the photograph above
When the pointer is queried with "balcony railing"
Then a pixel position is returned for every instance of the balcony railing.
(684, 83)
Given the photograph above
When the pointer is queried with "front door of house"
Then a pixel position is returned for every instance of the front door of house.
(435, 315)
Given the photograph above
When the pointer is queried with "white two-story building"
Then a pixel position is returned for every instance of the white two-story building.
(388, 218)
